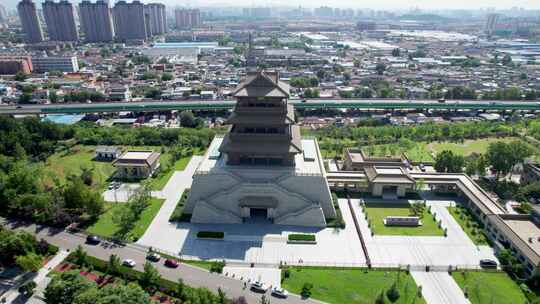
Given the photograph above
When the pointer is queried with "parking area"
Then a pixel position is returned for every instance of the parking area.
(120, 192)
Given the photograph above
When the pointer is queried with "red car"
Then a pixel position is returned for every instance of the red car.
(171, 263)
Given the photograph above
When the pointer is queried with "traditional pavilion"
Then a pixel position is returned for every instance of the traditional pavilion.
(261, 170)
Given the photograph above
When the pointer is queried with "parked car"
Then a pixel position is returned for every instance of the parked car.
(259, 286)
(488, 263)
(93, 240)
(154, 257)
(279, 292)
(129, 263)
(171, 263)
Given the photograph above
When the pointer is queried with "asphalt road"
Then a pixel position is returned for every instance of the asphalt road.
(191, 275)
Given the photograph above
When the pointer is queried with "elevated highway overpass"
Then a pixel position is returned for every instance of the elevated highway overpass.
(366, 104)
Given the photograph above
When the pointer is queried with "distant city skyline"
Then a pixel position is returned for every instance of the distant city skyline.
(379, 5)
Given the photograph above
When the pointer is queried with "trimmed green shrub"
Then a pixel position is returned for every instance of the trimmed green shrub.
(210, 234)
(302, 237)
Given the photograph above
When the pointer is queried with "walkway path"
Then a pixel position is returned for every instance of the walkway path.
(41, 279)
(439, 288)
(156, 234)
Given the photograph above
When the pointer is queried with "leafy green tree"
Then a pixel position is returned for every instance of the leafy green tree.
(166, 77)
(80, 257)
(64, 288)
(306, 290)
(380, 298)
(20, 76)
(153, 93)
(15, 244)
(504, 156)
(29, 262)
(393, 293)
(380, 68)
(150, 277)
(447, 161)
(25, 98)
(53, 97)
(187, 119)
(113, 265)
(87, 175)
(121, 294)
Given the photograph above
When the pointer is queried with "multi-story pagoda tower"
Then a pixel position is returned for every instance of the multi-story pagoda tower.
(261, 170)
(263, 129)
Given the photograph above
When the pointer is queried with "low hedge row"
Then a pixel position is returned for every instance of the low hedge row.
(302, 237)
(210, 234)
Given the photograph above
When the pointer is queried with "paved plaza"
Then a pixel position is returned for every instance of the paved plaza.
(266, 243)
(456, 249)
(439, 287)
(262, 243)
(122, 194)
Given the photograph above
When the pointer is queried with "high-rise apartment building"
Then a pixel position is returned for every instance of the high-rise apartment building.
(157, 19)
(3, 14)
(257, 12)
(96, 21)
(130, 21)
(30, 21)
(60, 20)
(187, 18)
(491, 23)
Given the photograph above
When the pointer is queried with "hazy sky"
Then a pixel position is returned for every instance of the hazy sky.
(379, 4)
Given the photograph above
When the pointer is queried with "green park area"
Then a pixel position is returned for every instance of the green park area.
(340, 286)
(424, 152)
(75, 160)
(489, 287)
(467, 147)
(377, 211)
(469, 224)
(107, 224)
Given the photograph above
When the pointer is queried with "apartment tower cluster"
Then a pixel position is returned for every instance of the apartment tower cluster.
(99, 23)
(187, 18)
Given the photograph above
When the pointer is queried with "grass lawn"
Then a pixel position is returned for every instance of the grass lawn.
(351, 285)
(106, 227)
(62, 164)
(418, 153)
(158, 182)
(378, 211)
(201, 264)
(490, 287)
(467, 223)
(468, 146)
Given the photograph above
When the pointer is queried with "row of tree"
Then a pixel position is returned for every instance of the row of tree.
(22, 248)
(333, 137)
(500, 156)
(25, 195)
(30, 137)
(71, 287)
(146, 136)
